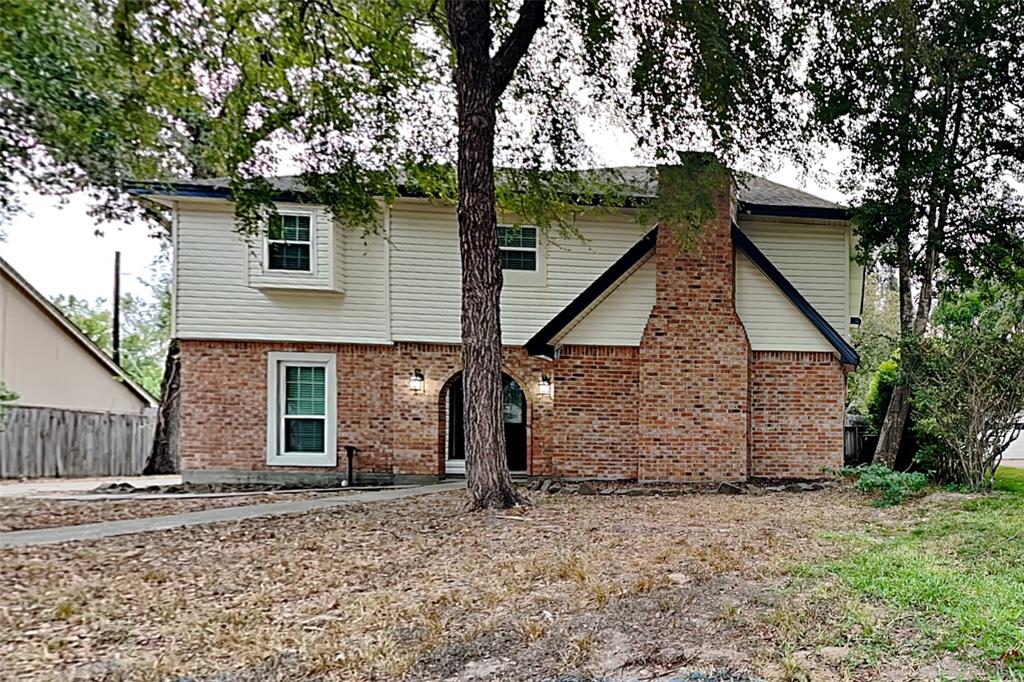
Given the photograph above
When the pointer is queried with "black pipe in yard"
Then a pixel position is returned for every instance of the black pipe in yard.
(350, 452)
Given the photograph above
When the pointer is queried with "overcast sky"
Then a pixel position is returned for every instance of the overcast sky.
(55, 248)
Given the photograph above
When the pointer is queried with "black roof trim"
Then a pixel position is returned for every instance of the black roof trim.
(198, 191)
(540, 343)
(813, 212)
(847, 354)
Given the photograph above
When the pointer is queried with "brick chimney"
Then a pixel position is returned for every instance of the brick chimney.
(695, 361)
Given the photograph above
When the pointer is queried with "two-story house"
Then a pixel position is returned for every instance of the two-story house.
(626, 357)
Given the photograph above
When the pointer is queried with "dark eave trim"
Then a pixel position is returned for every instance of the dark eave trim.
(195, 191)
(541, 342)
(812, 212)
(847, 354)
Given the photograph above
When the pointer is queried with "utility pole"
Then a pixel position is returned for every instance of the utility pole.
(117, 309)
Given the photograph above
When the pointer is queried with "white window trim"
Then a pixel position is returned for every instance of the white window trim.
(276, 361)
(536, 277)
(267, 241)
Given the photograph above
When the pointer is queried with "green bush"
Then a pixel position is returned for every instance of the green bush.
(969, 384)
(893, 487)
(880, 392)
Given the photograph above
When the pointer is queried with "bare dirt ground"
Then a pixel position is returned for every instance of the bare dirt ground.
(25, 513)
(602, 587)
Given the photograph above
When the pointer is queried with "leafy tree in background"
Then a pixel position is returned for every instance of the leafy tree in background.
(374, 96)
(969, 383)
(927, 98)
(7, 396)
(876, 337)
(145, 330)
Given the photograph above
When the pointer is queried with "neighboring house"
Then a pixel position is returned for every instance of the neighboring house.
(625, 357)
(68, 391)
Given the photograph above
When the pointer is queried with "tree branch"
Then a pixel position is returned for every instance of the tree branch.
(511, 52)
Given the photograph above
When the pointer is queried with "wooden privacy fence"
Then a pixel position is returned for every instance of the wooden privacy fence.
(42, 442)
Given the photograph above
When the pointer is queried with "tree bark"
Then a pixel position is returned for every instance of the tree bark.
(164, 457)
(891, 434)
(479, 81)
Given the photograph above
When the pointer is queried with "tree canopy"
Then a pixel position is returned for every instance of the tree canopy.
(926, 97)
(360, 95)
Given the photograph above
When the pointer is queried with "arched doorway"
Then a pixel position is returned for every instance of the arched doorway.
(514, 410)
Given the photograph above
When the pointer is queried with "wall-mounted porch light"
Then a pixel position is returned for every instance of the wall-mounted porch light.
(544, 388)
(416, 381)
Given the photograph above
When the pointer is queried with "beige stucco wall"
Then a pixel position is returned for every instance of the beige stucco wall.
(46, 367)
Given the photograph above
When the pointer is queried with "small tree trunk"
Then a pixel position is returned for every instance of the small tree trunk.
(164, 457)
(893, 425)
(490, 484)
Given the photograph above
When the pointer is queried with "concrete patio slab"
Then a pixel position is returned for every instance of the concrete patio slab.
(106, 529)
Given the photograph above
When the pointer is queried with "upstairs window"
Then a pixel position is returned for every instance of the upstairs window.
(518, 248)
(289, 243)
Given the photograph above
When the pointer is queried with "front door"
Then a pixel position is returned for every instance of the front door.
(514, 412)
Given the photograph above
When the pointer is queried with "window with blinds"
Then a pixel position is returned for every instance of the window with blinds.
(289, 243)
(304, 417)
(518, 248)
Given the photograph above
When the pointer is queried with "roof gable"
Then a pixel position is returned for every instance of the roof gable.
(847, 354)
(68, 328)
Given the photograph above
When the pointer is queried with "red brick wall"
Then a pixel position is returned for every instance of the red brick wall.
(694, 357)
(587, 430)
(596, 412)
(797, 414)
(224, 404)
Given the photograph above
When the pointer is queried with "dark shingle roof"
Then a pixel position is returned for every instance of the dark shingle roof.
(755, 194)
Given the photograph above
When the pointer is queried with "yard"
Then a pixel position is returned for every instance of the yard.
(788, 586)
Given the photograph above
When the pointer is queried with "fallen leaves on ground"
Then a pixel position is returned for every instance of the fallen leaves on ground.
(31, 513)
(624, 587)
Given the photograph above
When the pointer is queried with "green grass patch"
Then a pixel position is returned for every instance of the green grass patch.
(958, 576)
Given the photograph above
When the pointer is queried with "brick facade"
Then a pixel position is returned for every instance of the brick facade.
(798, 414)
(691, 403)
(694, 357)
(587, 430)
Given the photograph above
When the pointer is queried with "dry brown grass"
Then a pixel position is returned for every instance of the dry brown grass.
(416, 588)
(25, 513)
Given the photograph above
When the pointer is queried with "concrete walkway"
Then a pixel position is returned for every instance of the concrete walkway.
(107, 529)
(77, 485)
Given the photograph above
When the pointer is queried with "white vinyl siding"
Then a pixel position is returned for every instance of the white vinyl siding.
(770, 318)
(214, 299)
(426, 274)
(620, 318)
(813, 256)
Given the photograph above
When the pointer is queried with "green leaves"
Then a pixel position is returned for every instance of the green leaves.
(358, 96)
(925, 97)
(969, 382)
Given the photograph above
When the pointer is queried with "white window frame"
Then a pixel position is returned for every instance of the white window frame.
(276, 386)
(267, 241)
(535, 277)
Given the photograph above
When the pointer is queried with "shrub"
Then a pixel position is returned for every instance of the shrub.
(880, 393)
(969, 384)
(893, 487)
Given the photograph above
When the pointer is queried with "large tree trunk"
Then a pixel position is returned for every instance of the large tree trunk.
(895, 423)
(164, 457)
(489, 482)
